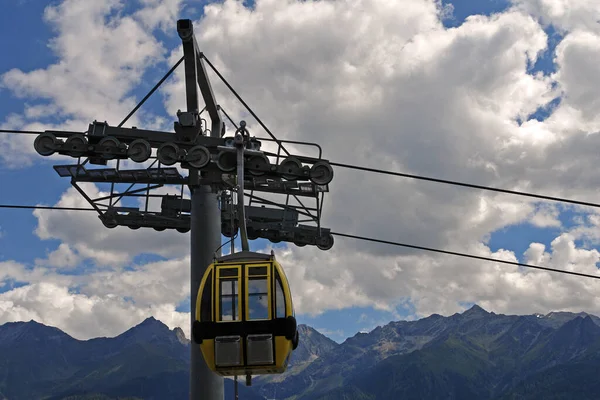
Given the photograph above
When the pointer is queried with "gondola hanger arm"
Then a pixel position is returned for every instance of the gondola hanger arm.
(241, 136)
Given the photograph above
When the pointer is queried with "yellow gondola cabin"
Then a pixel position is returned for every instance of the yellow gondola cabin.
(245, 322)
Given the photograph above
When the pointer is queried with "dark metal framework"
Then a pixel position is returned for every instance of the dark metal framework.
(222, 170)
(303, 180)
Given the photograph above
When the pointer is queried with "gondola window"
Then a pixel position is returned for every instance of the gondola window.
(258, 293)
(279, 299)
(229, 295)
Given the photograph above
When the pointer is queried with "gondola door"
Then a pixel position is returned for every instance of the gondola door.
(228, 347)
(243, 298)
(258, 309)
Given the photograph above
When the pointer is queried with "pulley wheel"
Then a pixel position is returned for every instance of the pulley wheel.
(226, 228)
(227, 161)
(258, 165)
(108, 147)
(252, 234)
(139, 151)
(328, 243)
(291, 168)
(275, 239)
(198, 157)
(321, 173)
(44, 144)
(168, 153)
(76, 145)
(272, 236)
(109, 222)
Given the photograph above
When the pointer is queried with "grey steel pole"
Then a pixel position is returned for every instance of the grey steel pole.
(205, 218)
(205, 225)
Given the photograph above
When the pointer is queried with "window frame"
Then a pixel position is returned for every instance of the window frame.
(278, 283)
(233, 296)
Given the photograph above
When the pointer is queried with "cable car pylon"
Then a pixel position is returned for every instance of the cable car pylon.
(243, 318)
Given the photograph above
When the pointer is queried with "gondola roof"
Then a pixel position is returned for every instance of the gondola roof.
(246, 256)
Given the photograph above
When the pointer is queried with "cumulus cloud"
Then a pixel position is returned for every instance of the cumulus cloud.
(100, 303)
(83, 317)
(546, 216)
(159, 14)
(376, 83)
(577, 57)
(566, 15)
(102, 55)
(62, 257)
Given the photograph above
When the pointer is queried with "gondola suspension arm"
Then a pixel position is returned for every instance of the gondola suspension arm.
(241, 136)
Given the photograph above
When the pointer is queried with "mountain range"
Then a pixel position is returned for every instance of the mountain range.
(471, 355)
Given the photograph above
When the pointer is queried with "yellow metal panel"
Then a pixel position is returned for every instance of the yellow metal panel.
(201, 290)
(289, 306)
(208, 351)
(283, 348)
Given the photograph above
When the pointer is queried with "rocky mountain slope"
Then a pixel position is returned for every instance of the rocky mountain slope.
(473, 355)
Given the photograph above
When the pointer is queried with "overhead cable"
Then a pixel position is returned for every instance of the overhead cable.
(368, 239)
(21, 132)
(244, 104)
(469, 185)
(151, 92)
(45, 207)
(454, 253)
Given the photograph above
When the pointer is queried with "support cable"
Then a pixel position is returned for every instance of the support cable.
(454, 253)
(229, 118)
(430, 249)
(151, 92)
(46, 207)
(21, 132)
(469, 185)
(245, 105)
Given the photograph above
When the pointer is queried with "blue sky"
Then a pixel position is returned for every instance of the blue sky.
(26, 48)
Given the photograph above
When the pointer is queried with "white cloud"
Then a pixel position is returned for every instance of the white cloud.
(81, 316)
(153, 283)
(566, 15)
(159, 13)
(62, 257)
(577, 57)
(101, 303)
(102, 57)
(546, 216)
